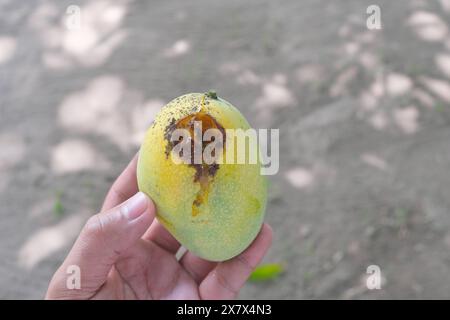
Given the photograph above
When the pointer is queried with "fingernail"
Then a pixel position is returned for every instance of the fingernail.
(135, 206)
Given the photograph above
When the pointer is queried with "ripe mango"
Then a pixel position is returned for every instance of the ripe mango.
(214, 210)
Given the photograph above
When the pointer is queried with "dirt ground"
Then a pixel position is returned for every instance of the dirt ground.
(363, 118)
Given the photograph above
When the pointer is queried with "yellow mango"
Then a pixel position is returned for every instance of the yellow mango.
(214, 210)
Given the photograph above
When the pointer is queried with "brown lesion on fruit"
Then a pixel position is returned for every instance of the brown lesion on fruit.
(202, 195)
(167, 134)
(204, 173)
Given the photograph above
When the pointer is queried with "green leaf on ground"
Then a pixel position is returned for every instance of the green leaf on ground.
(266, 272)
(58, 207)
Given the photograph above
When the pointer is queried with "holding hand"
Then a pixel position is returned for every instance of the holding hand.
(125, 253)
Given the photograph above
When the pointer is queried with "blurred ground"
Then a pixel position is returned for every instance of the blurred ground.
(363, 117)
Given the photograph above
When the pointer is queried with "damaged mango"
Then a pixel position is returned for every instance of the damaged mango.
(213, 207)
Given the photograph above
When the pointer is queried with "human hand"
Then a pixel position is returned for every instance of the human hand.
(125, 253)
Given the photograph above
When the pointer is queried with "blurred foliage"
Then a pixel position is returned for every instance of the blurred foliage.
(58, 207)
(266, 272)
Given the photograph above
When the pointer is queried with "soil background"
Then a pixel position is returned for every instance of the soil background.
(363, 116)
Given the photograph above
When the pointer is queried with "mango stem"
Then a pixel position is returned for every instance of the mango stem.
(211, 94)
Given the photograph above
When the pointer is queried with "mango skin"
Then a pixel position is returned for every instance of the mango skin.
(232, 216)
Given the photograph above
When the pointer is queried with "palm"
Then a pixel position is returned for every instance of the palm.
(148, 271)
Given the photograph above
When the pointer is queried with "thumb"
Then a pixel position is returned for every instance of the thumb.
(101, 242)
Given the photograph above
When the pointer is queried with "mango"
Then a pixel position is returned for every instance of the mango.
(215, 210)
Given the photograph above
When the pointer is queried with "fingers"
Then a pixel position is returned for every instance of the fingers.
(104, 238)
(197, 267)
(225, 280)
(159, 235)
(124, 187)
